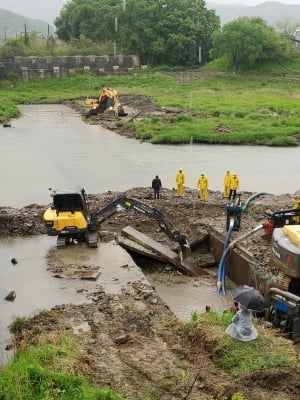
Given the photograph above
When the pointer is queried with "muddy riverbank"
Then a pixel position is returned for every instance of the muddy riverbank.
(131, 339)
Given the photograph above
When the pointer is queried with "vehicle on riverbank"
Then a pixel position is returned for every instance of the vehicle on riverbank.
(201, 106)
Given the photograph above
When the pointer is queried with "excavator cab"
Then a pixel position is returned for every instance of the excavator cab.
(108, 102)
(67, 217)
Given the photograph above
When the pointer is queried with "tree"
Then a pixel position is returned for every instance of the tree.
(158, 31)
(247, 42)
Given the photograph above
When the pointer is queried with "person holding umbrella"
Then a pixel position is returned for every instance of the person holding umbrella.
(242, 327)
(249, 300)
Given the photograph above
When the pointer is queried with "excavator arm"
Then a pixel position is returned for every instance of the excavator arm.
(284, 217)
(123, 202)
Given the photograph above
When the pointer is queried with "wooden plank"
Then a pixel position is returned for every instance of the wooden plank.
(165, 253)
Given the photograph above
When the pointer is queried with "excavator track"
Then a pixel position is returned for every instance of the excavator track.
(92, 239)
(61, 242)
(283, 281)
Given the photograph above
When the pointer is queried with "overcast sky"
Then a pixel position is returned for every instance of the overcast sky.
(48, 10)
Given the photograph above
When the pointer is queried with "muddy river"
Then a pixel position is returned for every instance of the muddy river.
(39, 289)
(50, 146)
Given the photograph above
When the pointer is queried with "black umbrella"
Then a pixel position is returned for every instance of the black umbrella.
(249, 298)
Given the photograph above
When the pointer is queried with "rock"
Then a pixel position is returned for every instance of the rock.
(11, 296)
(122, 339)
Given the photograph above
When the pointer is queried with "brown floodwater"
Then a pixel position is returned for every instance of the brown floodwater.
(51, 146)
(37, 288)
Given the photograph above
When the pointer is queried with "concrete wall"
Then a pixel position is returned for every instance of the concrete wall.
(51, 67)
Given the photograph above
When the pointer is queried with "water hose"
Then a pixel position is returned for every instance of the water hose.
(227, 247)
(221, 270)
(244, 206)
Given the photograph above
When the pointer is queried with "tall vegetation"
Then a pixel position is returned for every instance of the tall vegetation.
(48, 372)
(158, 31)
(249, 42)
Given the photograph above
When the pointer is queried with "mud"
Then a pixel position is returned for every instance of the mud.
(131, 339)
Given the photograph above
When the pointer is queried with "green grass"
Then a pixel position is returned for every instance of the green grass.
(46, 372)
(267, 352)
(259, 110)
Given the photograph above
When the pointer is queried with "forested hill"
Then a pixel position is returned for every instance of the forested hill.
(13, 25)
(271, 11)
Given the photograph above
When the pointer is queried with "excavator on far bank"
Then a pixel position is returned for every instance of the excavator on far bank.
(107, 102)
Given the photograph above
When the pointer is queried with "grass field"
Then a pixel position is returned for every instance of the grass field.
(221, 108)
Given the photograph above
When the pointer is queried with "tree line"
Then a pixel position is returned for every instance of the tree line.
(163, 32)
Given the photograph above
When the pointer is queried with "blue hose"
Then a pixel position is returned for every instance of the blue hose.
(244, 206)
(222, 266)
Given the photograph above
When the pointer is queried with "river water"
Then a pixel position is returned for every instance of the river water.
(51, 146)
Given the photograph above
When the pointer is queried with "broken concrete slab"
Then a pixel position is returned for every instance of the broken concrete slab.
(155, 248)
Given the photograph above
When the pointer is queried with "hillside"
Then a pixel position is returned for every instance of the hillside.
(271, 11)
(13, 25)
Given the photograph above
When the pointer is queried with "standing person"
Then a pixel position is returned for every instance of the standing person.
(296, 202)
(226, 183)
(180, 181)
(202, 185)
(234, 186)
(156, 186)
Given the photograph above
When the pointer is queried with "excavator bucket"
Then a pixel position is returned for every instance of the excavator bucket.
(186, 252)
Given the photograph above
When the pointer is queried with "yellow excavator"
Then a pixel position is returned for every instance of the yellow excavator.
(69, 218)
(107, 102)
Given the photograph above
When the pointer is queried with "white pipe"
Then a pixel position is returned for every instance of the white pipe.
(254, 230)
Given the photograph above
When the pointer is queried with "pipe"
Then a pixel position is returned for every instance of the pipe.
(239, 239)
(221, 270)
(244, 206)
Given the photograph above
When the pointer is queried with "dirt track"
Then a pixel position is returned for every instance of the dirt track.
(131, 341)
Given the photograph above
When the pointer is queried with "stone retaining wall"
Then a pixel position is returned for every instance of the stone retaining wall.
(51, 67)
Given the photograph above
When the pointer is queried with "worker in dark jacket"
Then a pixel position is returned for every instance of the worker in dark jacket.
(156, 186)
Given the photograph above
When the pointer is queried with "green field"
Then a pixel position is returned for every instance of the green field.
(221, 108)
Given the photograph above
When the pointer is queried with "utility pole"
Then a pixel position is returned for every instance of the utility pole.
(25, 35)
(5, 27)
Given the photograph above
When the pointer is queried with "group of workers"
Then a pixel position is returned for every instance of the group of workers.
(231, 184)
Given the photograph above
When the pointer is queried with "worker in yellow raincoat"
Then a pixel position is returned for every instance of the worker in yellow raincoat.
(202, 185)
(296, 202)
(180, 181)
(234, 186)
(226, 183)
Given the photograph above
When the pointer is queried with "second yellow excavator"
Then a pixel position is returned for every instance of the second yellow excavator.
(107, 102)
